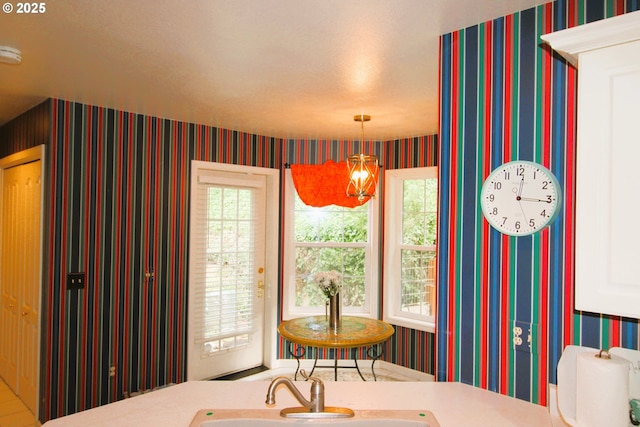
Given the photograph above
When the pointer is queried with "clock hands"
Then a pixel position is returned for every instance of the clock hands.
(528, 199)
(519, 199)
(520, 189)
(524, 215)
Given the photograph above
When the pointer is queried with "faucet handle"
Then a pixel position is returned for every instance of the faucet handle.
(306, 377)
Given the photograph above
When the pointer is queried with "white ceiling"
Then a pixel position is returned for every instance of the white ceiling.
(280, 68)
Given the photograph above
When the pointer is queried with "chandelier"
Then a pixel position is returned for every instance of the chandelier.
(363, 169)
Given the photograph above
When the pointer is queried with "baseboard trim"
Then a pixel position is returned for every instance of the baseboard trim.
(381, 367)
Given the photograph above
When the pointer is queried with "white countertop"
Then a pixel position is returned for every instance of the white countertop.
(453, 404)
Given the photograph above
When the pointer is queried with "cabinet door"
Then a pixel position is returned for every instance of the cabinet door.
(608, 181)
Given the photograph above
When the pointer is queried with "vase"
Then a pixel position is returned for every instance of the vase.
(334, 312)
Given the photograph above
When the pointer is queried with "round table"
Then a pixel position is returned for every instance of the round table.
(353, 332)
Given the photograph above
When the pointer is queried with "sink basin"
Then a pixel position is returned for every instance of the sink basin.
(272, 418)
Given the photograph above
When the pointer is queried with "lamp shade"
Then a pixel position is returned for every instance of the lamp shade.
(363, 176)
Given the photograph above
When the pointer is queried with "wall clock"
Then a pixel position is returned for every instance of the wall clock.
(520, 198)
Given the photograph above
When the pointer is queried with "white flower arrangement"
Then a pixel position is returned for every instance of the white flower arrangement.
(330, 282)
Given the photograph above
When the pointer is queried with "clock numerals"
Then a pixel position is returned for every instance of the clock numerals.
(516, 225)
(520, 198)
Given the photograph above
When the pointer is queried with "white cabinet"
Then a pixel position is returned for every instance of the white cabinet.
(607, 162)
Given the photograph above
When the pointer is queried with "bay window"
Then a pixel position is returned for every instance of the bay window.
(410, 247)
(324, 239)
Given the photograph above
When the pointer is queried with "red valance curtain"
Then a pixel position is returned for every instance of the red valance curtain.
(324, 185)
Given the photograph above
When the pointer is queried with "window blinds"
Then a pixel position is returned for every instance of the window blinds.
(223, 279)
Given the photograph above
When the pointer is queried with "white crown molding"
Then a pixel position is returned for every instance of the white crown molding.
(570, 43)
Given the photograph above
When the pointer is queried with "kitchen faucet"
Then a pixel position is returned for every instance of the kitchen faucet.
(312, 408)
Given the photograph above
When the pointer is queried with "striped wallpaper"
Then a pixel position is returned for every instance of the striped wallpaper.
(409, 347)
(118, 186)
(505, 96)
(26, 131)
(119, 211)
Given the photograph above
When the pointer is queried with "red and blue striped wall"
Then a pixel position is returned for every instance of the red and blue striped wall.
(408, 347)
(117, 209)
(506, 96)
(119, 212)
(26, 131)
(118, 179)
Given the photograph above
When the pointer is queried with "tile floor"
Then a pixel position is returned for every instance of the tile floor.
(343, 375)
(13, 413)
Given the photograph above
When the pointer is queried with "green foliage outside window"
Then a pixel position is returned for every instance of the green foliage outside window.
(418, 238)
(333, 238)
(330, 238)
(419, 212)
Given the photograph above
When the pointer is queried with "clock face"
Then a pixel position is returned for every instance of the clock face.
(520, 198)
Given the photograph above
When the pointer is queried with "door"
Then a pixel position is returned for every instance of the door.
(20, 263)
(226, 273)
(10, 271)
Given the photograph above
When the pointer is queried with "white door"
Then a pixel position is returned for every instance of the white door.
(30, 287)
(10, 271)
(226, 273)
(20, 266)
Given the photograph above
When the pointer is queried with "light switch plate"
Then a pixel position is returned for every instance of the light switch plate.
(75, 280)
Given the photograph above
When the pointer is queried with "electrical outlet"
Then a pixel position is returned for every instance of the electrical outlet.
(524, 336)
(517, 336)
(112, 371)
(75, 280)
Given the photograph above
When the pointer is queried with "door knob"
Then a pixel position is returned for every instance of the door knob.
(24, 313)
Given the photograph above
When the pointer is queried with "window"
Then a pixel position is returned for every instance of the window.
(227, 272)
(410, 247)
(324, 239)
